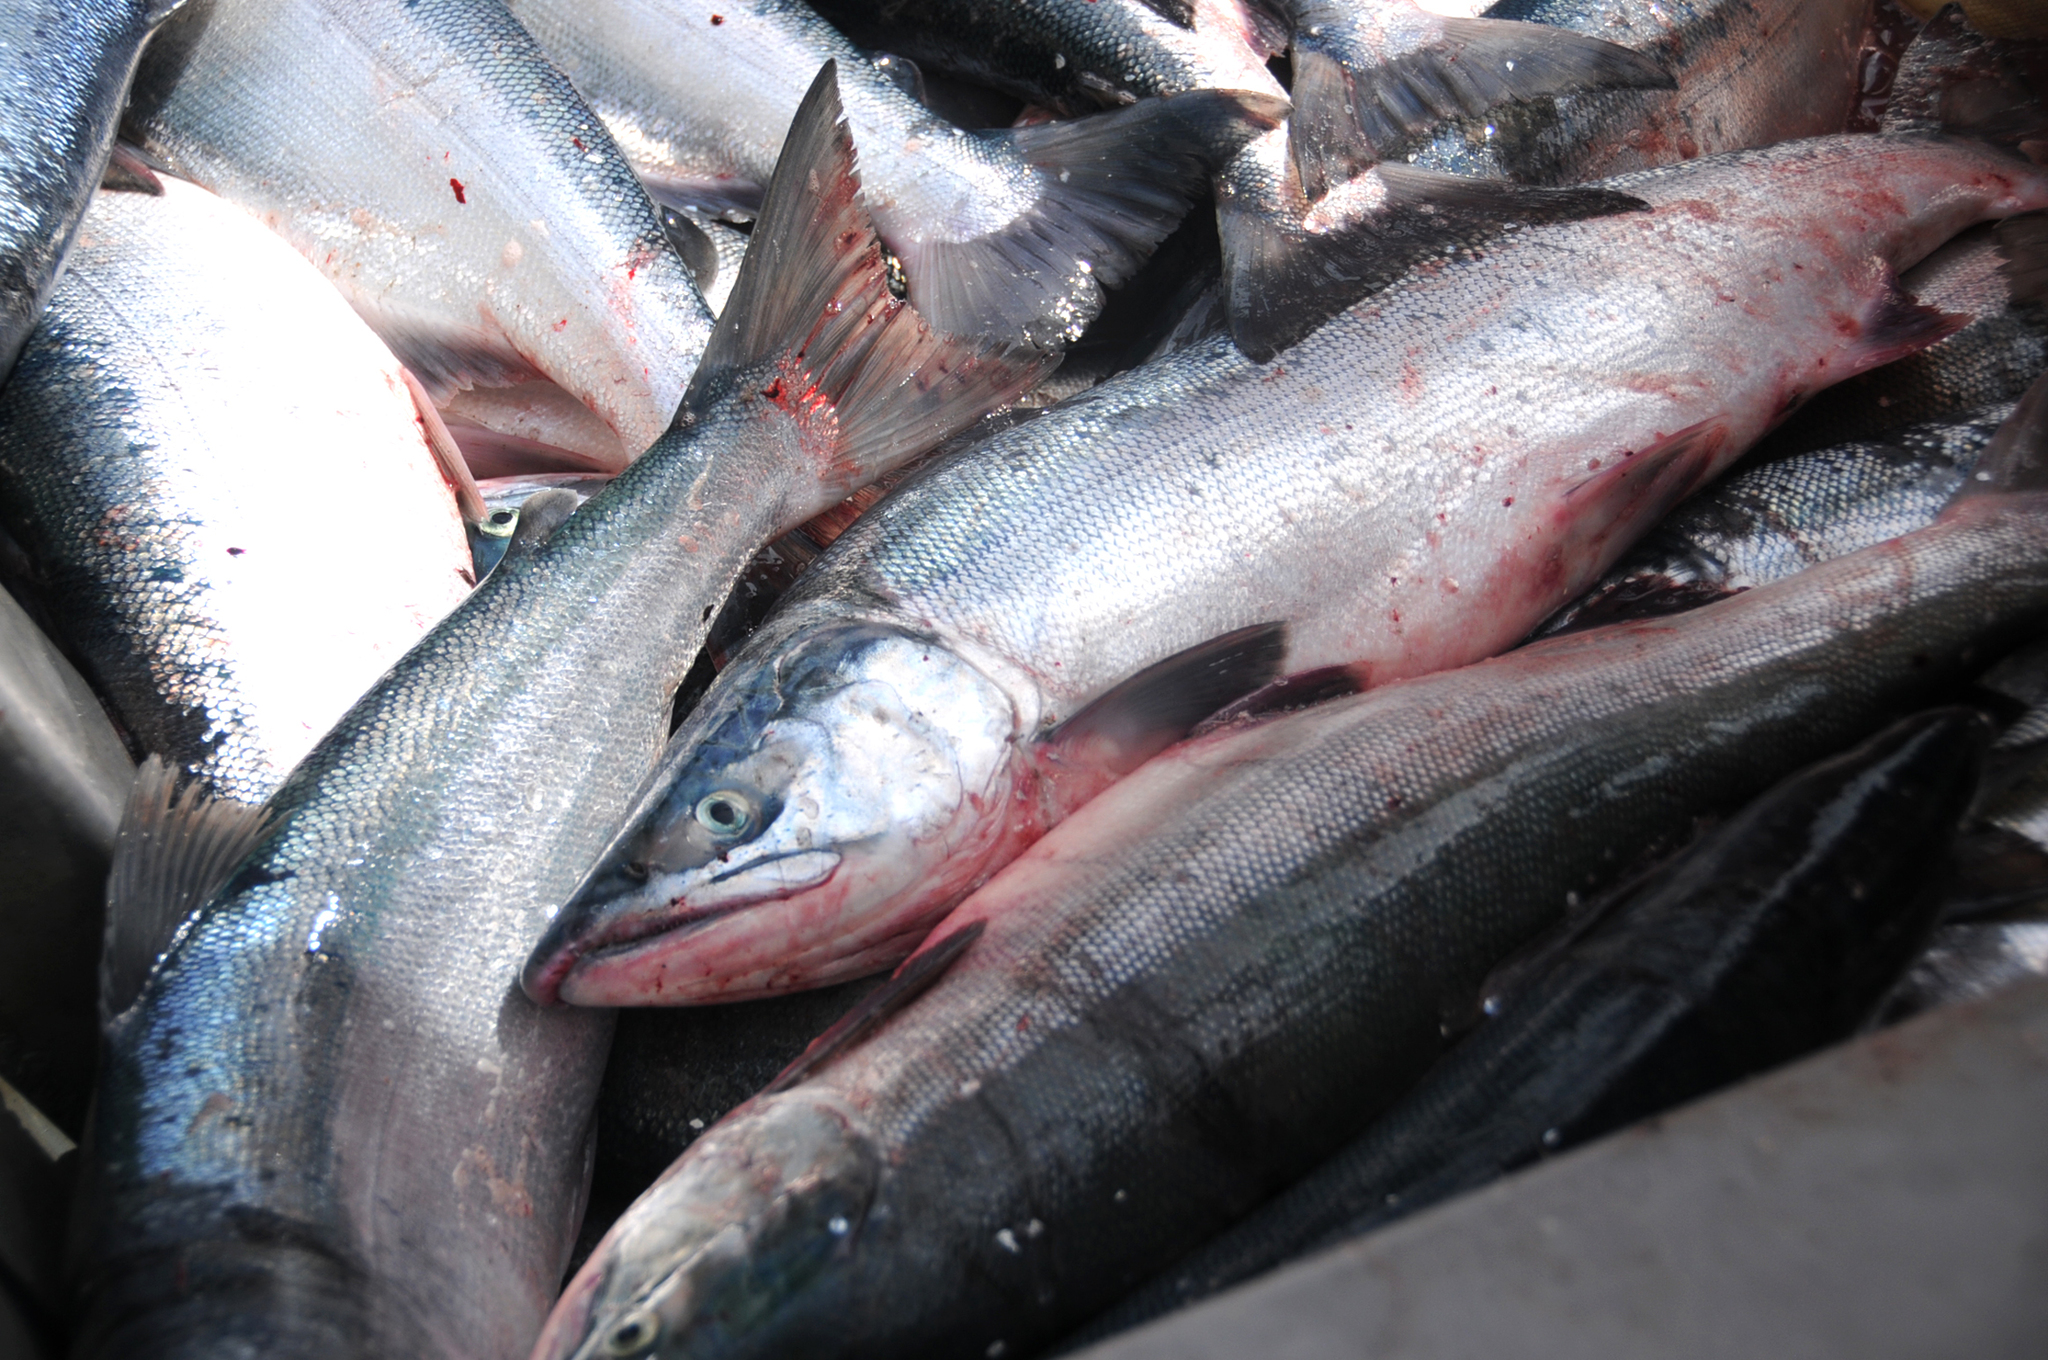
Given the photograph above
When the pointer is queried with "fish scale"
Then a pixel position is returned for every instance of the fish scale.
(1414, 486)
(1182, 1000)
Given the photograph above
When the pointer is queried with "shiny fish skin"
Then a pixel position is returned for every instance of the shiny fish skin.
(330, 1125)
(161, 447)
(1187, 997)
(1750, 73)
(441, 173)
(1002, 233)
(1404, 491)
(1776, 933)
(1769, 521)
(67, 65)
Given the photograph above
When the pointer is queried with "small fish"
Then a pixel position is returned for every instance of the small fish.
(71, 62)
(162, 445)
(1026, 621)
(1215, 977)
(1775, 934)
(450, 182)
(1010, 233)
(344, 1006)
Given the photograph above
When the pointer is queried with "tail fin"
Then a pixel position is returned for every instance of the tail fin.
(812, 314)
(1954, 79)
(2016, 459)
(1289, 267)
(2023, 241)
(1363, 86)
(1111, 186)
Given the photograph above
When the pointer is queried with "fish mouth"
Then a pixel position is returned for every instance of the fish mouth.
(642, 934)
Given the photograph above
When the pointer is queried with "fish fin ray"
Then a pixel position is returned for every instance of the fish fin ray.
(128, 173)
(448, 455)
(1354, 105)
(2016, 459)
(2023, 241)
(910, 980)
(1160, 705)
(1288, 271)
(170, 855)
(1112, 185)
(1303, 689)
(812, 299)
(1953, 79)
(1899, 324)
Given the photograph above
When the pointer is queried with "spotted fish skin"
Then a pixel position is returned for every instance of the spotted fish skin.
(433, 163)
(68, 65)
(1187, 997)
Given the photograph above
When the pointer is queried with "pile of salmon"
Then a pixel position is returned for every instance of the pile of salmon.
(727, 678)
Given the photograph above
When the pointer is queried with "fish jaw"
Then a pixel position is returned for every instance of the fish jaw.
(826, 805)
(771, 1208)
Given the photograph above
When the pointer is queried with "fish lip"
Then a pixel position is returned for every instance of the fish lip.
(544, 974)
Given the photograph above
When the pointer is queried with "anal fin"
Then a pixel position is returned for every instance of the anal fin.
(128, 173)
(170, 854)
(1369, 77)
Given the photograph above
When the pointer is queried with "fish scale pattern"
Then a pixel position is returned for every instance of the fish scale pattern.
(1245, 983)
(439, 170)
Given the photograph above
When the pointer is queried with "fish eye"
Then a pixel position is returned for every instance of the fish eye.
(726, 814)
(499, 523)
(634, 1334)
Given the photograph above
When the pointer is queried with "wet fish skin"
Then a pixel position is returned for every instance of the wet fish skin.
(160, 447)
(375, 1146)
(1010, 233)
(1766, 522)
(63, 776)
(1775, 934)
(448, 179)
(1006, 589)
(1750, 73)
(1185, 998)
(54, 146)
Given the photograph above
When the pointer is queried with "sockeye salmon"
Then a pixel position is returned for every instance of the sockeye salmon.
(1183, 1000)
(343, 1010)
(436, 167)
(1413, 487)
(161, 446)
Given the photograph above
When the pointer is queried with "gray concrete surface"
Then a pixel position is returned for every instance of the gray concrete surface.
(1883, 1200)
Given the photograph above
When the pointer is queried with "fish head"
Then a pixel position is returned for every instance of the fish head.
(736, 1249)
(810, 822)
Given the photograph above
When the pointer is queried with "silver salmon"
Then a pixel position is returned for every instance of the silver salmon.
(329, 1124)
(439, 170)
(1185, 998)
(1413, 487)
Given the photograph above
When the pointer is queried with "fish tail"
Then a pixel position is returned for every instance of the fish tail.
(1111, 186)
(813, 301)
(1361, 90)
(1953, 79)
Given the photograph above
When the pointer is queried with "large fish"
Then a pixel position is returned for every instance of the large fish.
(1185, 998)
(1413, 487)
(63, 776)
(1011, 233)
(162, 451)
(450, 181)
(69, 63)
(1777, 933)
(330, 1124)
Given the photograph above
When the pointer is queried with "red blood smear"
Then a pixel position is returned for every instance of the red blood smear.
(456, 185)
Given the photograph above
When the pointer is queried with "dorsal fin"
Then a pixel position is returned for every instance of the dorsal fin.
(1367, 83)
(2016, 459)
(811, 318)
(1289, 267)
(171, 853)
(917, 973)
